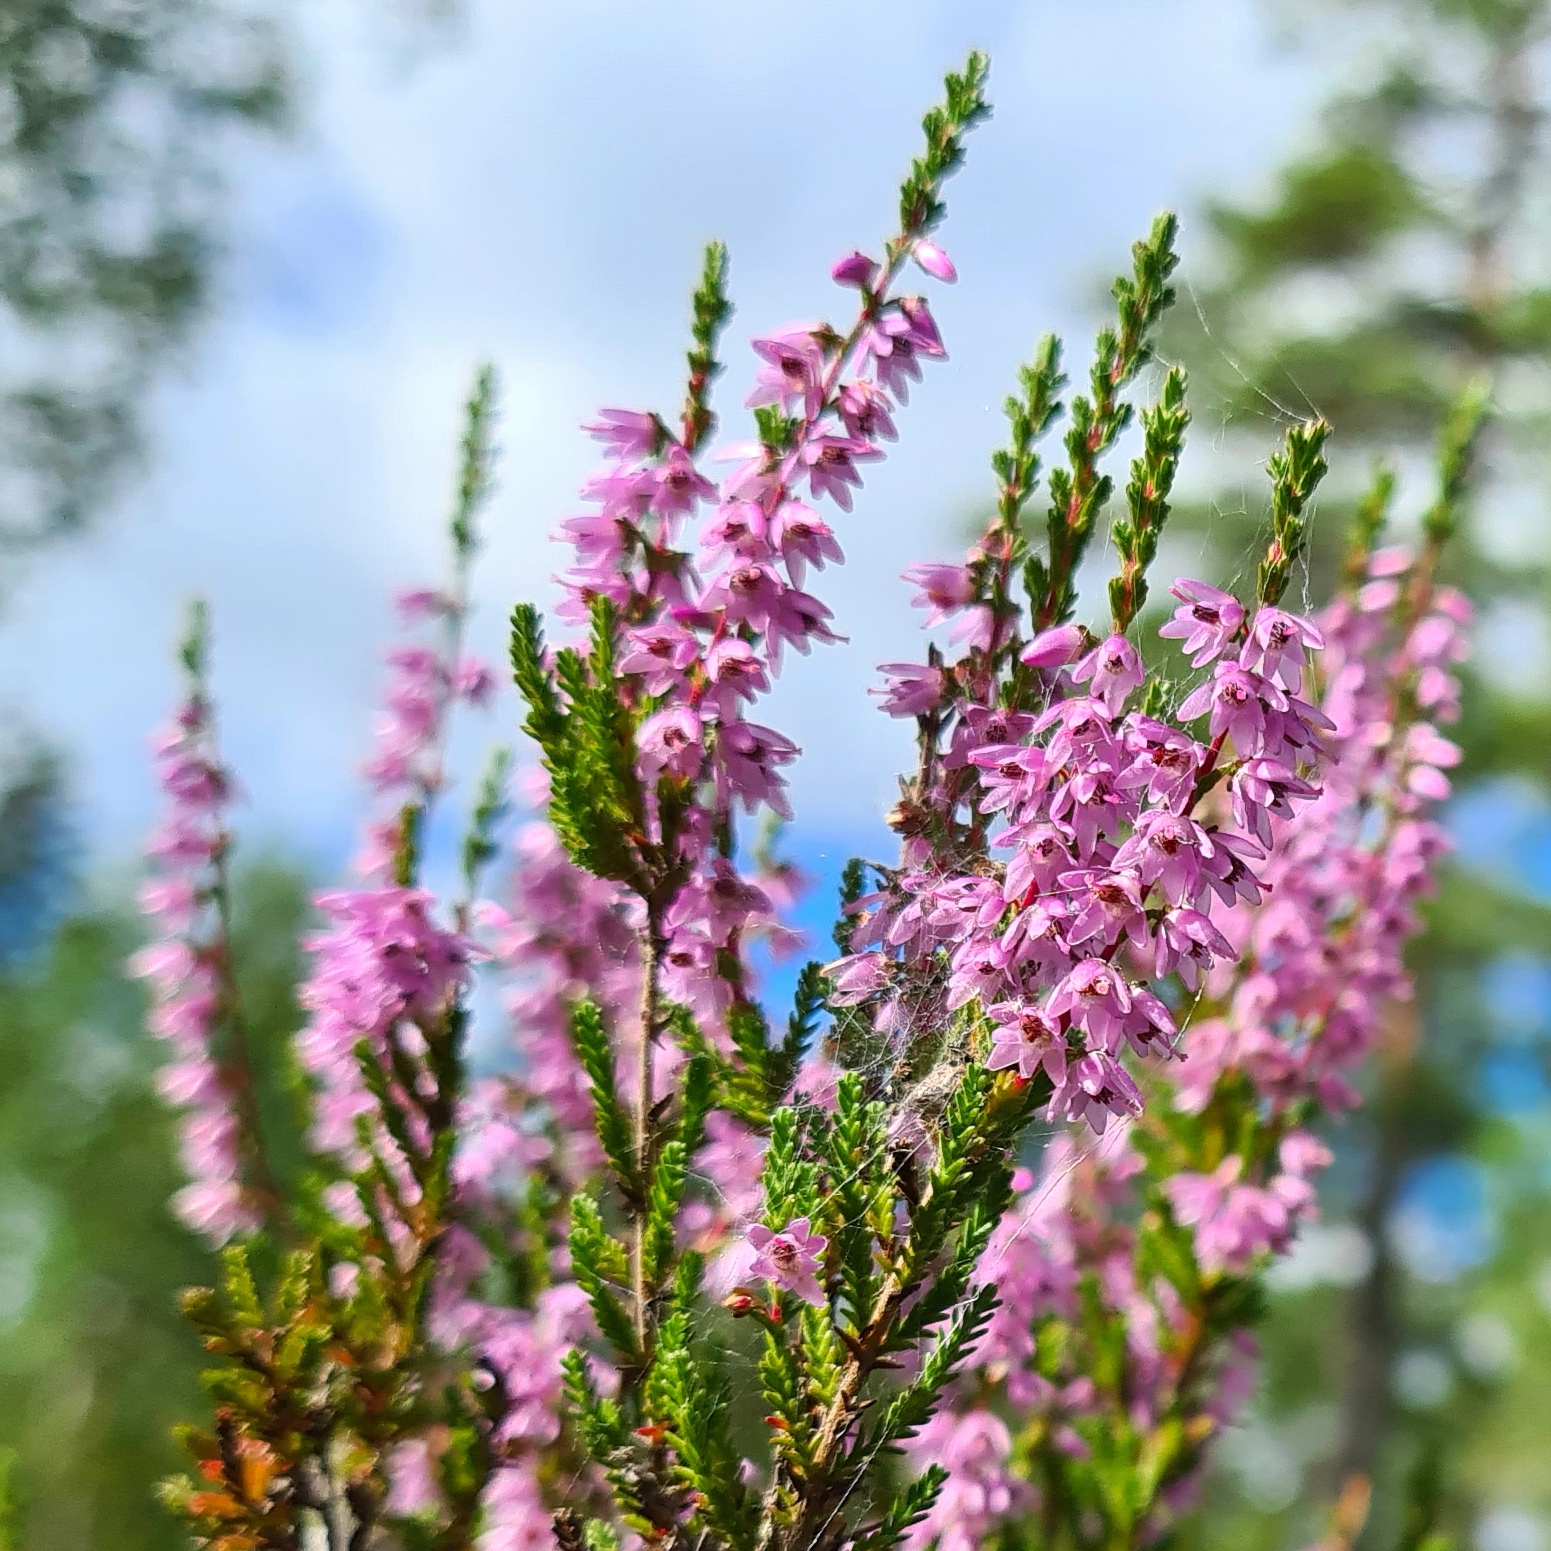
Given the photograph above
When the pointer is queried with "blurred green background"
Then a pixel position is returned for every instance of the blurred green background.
(1394, 241)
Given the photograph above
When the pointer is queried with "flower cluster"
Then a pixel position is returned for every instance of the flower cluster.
(189, 969)
(424, 683)
(1114, 872)
(1283, 1023)
(1326, 956)
(384, 973)
(508, 1326)
(703, 627)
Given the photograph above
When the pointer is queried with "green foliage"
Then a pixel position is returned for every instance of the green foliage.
(694, 1413)
(595, 1051)
(1147, 498)
(914, 1406)
(476, 469)
(1078, 492)
(598, 1262)
(490, 808)
(945, 126)
(1367, 526)
(95, 1363)
(1016, 466)
(711, 310)
(586, 737)
(1295, 473)
(1457, 444)
(910, 1505)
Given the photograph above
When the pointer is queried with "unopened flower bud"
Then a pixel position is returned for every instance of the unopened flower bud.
(934, 261)
(854, 269)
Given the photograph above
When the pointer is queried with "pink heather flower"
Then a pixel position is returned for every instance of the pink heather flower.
(1095, 1089)
(182, 840)
(1024, 1038)
(1056, 647)
(789, 1259)
(979, 726)
(1083, 735)
(731, 1160)
(515, 1516)
(865, 410)
(1302, 1154)
(1169, 850)
(1105, 904)
(1115, 666)
(474, 681)
(979, 969)
(857, 977)
(172, 901)
(747, 758)
(217, 1209)
(920, 326)
(1263, 789)
(830, 463)
(1096, 997)
(1427, 746)
(1188, 942)
(803, 538)
(895, 341)
(1226, 870)
(792, 372)
(854, 269)
(417, 605)
(736, 673)
(941, 589)
(1234, 1223)
(750, 592)
(1035, 939)
(412, 1486)
(912, 688)
(1376, 597)
(981, 1492)
(1206, 624)
(718, 903)
(1149, 1027)
(669, 741)
(974, 629)
(933, 260)
(1393, 560)
(660, 653)
(1041, 856)
(627, 434)
(799, 619)
(1011, 776)
(1241, 704)
(1276, 645)
(678, 484)
(1165, 762)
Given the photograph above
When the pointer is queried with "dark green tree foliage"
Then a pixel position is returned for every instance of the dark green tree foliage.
(96, 1364)
(1397, 257)
(37, 853)
(111, 121)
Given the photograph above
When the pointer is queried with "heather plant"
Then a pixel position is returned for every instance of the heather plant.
(968, 1249)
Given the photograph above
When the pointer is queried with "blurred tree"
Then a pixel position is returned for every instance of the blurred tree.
(1401, 251)
(37, 850)
(96, 1364)
(111, 121)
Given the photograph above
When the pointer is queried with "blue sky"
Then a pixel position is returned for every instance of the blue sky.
(536, 191)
